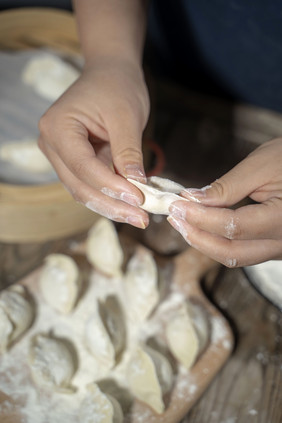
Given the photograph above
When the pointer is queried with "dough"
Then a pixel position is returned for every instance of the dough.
(26, 155)
(52, 363)
(99, 407)
(159, 194)
(113, 318)
(143, 381)
(16, 314)
(103, 249)
(181, 336)
(141, 284)
(60, 282)
(49, 76)
(163, 369)
(97, 339)
(6, 330)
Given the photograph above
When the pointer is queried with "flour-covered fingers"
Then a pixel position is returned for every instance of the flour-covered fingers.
(88, 169)
(231, 253)
(254, 221)
(101, 202)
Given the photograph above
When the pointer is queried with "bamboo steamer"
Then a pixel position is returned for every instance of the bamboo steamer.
(39, 213)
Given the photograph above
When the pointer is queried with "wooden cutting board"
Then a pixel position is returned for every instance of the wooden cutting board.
(185, 272)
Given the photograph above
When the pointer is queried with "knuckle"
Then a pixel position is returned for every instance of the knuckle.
(222, 189)
(44, 123)
(233, 228)
(132, 154)
(231, 263)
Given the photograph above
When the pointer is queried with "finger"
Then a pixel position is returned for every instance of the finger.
(79, 157)
(126, 146)
(238, 183)
(231, 253)
(97, 201)
(255, 221)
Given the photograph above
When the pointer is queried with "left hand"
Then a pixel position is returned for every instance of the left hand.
(237, 237)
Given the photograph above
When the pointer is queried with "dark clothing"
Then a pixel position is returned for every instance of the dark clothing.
(228, 46)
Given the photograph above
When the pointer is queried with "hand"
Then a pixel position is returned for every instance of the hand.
(249, 234)
(92, 137)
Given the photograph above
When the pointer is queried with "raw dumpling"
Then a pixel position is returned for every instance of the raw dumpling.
(99, 407)
(6, 329)
(201, 324)
(159, 193)
(103, 248)
(163, 369)
(52, 362)
(49, 76)
(113, 319)
(98, 340)
(26, 155)
(141, 283)
(181, 336)
(16, 314)
(143, 380)
(60, 282)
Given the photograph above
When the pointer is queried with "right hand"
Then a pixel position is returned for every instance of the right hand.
(92, 136)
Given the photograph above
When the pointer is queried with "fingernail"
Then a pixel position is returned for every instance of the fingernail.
(178, 224)
(134, 171)
(136, 221)
(124, 196)
(177, 211)
(130, 199)
(196, 194)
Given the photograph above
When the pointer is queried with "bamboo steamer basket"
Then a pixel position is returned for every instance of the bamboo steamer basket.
(39, 213)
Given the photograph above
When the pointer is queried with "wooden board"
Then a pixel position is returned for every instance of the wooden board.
(186, 272)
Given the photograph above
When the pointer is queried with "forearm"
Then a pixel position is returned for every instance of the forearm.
(114, 28)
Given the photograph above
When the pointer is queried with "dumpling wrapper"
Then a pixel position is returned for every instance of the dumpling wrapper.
(17, 314)
(112, 316)
(159, 194)
(141, 284)
(99, 407)
(6, 329)
(103, 249)
(26, 155)
(98, 341)
(60, 282)
(143, 381)
(52, 363)
(163, 369)
(49, 75)
(181, 336)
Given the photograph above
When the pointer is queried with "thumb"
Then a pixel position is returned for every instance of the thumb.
(126, 148)
(232, 187)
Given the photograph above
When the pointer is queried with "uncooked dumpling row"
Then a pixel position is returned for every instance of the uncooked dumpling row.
(60, 282)
(16, 314)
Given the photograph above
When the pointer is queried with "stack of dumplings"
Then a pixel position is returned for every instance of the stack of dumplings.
(114, 332)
